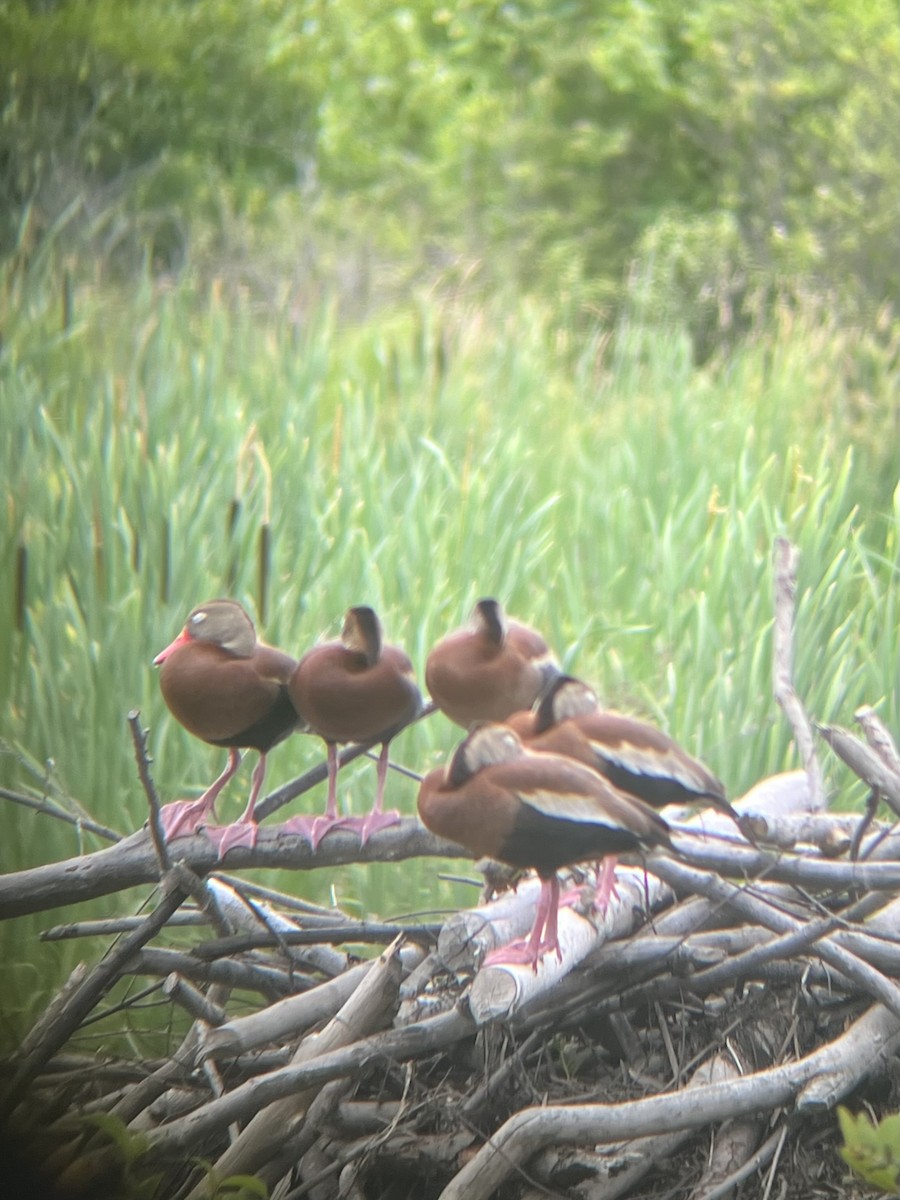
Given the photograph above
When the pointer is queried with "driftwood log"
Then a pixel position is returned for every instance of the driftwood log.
(692, 1040)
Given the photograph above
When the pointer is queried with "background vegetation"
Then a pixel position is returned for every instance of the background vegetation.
(731, 153)
(575, 305)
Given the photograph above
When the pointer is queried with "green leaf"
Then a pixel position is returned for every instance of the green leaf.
(241, 1187)
(873, 1151)
(130, 1145)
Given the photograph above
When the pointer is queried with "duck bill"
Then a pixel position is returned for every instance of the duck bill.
(164, 654)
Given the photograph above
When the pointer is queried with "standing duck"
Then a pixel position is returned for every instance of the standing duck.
(489, 669)
(229, 689)
(535, 810)
(633, 755)
(636, 757)
(354, 689)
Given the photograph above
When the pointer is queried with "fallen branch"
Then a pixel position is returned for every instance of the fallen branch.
(133, 862)
(65, 1020)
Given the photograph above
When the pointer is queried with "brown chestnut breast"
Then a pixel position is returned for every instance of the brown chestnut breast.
(472, 679)
(228, 700)
(344, 699)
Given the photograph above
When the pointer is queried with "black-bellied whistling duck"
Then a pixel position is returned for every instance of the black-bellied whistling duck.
(529, 809)
(636, 757)
(633, 755)
(355, 689)
(489, 669)
(229, 689)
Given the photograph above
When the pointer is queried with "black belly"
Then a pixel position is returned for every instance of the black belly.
(268, 731)
(655, 790)
(548, 843)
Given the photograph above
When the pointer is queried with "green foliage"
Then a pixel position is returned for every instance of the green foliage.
(738, 154)
(127, 1177)
(873, 1151)
(150, 119)
(233, 1187)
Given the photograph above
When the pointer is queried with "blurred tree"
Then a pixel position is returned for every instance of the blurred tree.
(732, 153)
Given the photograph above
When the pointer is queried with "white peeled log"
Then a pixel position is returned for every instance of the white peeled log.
(501, 989)
(262, 916)
(467, 936)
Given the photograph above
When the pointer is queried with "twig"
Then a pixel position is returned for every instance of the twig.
(246, 913)
(413, 1042)
(407, 772)
(786, 556)
(49, 809)
(177, 988)
(871, 981)
(284, 1019)
(878, 737)
(367, 1009)
(364, 932)
(770, 1148)
(139, 738)
(269, 981)
(865, 762)
(114, 926)
(247, 887)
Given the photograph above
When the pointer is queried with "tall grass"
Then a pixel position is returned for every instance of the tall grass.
(168, 446)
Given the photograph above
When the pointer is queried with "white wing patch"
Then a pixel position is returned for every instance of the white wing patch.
(572, 806)
(650, 763)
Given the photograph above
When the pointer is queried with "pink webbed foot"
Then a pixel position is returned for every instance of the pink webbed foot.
(183, 818)
(543, 937)
(375, 820)
(313, 829)
(521, 953)
(226, 837)
(366, 826)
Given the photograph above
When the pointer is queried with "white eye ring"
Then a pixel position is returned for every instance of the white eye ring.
(198, 618)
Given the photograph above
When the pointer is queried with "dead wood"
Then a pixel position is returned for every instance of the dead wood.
(368, 1008)
(862, 1050)
(133, 861)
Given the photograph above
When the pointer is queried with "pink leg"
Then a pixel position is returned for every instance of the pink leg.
(549, 942)
(543, 936)
(377, 818)
(185, 817)
(606, 883)
(315, 828)
(243, 831)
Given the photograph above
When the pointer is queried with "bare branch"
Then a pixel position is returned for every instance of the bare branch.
(80, 1002)
(865, 762)
(878, 737)
(133, 862)
(786, 556)
(49, 809)
(139, 738)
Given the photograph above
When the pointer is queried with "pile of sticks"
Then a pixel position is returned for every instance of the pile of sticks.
(692, 1038)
